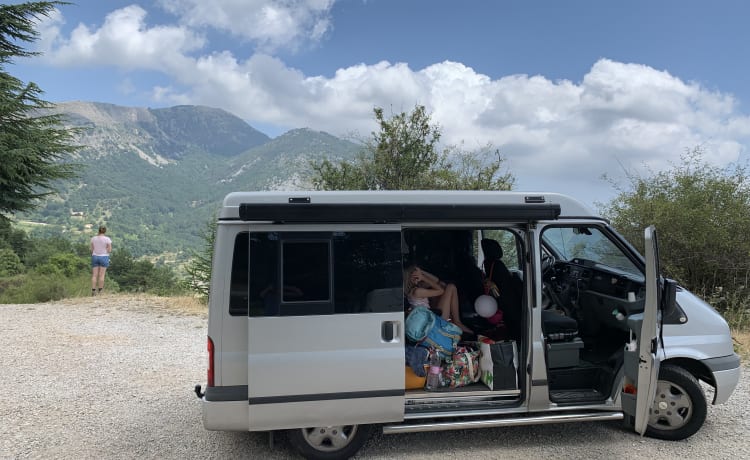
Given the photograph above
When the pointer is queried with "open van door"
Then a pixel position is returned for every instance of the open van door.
(642, 353)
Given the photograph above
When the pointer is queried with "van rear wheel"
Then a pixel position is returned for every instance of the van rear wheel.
(329, 442)
(679, 407)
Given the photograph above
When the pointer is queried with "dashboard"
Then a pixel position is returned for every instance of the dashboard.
(587, 289)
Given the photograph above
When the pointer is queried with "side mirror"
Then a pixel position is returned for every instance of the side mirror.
(668, 297)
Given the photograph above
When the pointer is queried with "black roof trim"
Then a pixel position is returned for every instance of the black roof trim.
(395, 213)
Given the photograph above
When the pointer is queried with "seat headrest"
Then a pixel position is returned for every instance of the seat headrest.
(491, 249)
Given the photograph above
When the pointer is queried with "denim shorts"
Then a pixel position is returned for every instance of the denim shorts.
(99, 261)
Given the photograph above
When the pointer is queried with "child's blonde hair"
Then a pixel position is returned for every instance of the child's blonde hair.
(408, 284)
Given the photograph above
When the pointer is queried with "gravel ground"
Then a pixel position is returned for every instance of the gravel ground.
(112, 377)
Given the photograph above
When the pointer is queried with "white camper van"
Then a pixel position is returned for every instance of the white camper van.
(306, 327)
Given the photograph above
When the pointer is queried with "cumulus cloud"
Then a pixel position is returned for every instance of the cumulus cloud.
(124, 40)
(619, 115)
(270, 24)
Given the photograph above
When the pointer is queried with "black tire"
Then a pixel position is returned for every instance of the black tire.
(329, 442)
(679, 408)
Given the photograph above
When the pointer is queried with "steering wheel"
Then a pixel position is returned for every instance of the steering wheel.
(548, 261)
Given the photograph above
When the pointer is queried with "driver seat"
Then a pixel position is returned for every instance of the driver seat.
(558, 328)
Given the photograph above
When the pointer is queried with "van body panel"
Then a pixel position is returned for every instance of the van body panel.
(228, 333)
(325, 413)
(323, 355)
(539, 389)
(704, 334)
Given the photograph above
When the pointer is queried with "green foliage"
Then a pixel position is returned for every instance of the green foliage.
(38, 287)
(141, 275)
(69, 265)
(703, 216)
(33, 144)
(12, 238)
(40, 250)
(10, 263)
(404, 155)
(734, 305)
(199, 267)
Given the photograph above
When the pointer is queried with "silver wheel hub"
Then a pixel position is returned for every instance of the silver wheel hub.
(672, 407)
(329, 438)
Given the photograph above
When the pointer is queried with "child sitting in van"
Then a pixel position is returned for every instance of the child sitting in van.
(425, 289)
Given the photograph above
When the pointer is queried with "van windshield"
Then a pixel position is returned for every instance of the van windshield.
(589, 244)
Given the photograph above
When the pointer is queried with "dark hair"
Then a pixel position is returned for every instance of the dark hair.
(102, 230)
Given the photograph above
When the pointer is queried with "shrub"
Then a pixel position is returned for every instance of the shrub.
(10, 263)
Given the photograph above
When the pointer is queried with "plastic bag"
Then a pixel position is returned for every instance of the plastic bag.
(498, 362)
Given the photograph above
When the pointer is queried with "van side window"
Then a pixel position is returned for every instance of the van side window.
(316, 273)
(306, 271)
(238, 297)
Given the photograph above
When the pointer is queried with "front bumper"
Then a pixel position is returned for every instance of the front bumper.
(726, 371)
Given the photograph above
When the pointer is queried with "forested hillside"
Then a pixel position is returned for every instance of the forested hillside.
(155, 176)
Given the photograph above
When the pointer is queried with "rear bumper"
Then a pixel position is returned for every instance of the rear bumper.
(225, 408)
(726, 371)
(225, 415)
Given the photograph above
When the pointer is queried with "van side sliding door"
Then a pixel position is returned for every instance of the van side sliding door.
(325, 326)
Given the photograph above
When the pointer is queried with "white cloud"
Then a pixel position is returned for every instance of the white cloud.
(124, 40)
(552, 132)
(270, 24)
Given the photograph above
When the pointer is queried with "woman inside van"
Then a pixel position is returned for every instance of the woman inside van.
(425, 289)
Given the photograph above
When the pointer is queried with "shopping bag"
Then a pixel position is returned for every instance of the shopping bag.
(498, 362)
(462, 369)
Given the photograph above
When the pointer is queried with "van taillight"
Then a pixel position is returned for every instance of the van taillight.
(210, 375)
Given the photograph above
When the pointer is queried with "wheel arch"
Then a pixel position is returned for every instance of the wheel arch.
(698, 369)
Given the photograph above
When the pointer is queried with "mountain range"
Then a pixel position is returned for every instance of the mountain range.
(156, 177)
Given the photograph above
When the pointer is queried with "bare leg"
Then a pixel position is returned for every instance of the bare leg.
(448, 305)
(94, 277)
(102, 271)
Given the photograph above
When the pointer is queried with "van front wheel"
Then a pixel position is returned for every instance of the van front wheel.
(679, 408)
(329, 442)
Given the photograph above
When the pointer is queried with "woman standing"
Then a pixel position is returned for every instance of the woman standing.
(101, 247)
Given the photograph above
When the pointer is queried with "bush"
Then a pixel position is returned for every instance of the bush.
(10, 263)
(36, 287)
(70, 265)
(141, 275)
(733, 305)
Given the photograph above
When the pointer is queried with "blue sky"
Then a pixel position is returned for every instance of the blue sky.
(567, 91)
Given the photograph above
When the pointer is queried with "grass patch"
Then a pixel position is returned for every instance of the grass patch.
(741, 341)
(35, 287)
(187, 304)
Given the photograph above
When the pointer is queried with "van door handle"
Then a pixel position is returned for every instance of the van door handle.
(389, 331)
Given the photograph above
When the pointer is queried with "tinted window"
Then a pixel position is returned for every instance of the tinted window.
(321, 273)
(306, 271)
(238, 295)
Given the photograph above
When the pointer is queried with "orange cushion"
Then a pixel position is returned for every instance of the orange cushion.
(414, 382)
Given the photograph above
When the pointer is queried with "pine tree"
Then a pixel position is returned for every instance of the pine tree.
(33, 143)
